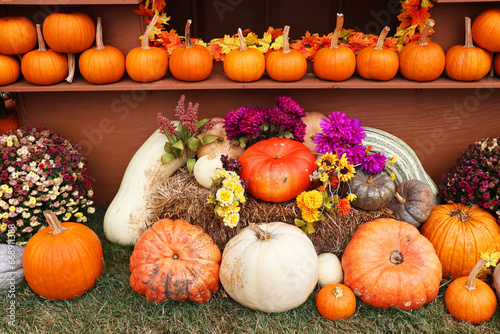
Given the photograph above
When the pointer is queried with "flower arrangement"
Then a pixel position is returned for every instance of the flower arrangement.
(475, 177)
(40, 170)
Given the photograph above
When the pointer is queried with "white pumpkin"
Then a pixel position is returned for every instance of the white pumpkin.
(330, 269)
(269, 267)
(11, 267)
(205, 169)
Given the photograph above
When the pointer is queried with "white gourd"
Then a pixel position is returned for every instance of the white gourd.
(330, 269)
(11, 267)
(205, 168)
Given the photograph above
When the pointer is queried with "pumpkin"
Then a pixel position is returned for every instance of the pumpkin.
(460, 234)
(10, 69)
(147, 63)
(221, 144)
(373, 192)
(269, 267)
(175, 260)
(17, 35)
(69, 33)
(102, 64)
(63, 260)
(286, 64)
(486, 30)
(376, 62)
(388, 263)
(205, 168)
(467, 62)
(277, 169)
(422, 60)
(44, 67)
(336, 301)
(329, 270)
(244, 64)
(191, 62)
(468, 298)
(412, 202)
(496, 64)
(11, 267)
(338, 62)
(312, 120)
(495, 279)
(8, 118)
(126, 217)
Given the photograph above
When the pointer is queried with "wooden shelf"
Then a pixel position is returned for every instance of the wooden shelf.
(464, 1)
(69, 2)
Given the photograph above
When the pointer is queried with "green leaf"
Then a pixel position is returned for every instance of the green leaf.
(207, 139)
(190, 164)
(167, 157)
(178, 145)
(172, 138)
(202, 122)
(193, 143)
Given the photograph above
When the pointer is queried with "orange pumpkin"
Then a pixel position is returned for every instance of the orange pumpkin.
(422, 60)
(286, 64)
(42, 66)
(221, 145)
(336, 301)
(63, 260)
(175, 260)
(10, 69)
(467, 62)
(486, 30)
(102, 64)
(338, 62)
(147, 63)
(17, 35)
(312, 120)
(388, 263)
(460, 234)
(376, 62)
(191, 62)
(244, 64)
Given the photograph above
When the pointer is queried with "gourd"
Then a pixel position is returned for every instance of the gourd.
(336, 301)
(467, 62)
(221, 144)
(175, 260)
(422, 60)
(286, 64)
(373, 192)
(486, 30)
(191, 62)
(277, 169)
(460, 234)
(63, 260)
(338, 62)
(312, 120)
(69, 33)
(11, 267)
(269, 267)
(376, 62)
(147, 63)
(388, 263)
(329, 270)
(205, 169)
(17, 35)
(102, 64)
(244, 64)
(10, 69)
(468, 298)
(127, 217)
(413, 202)
(44, 67)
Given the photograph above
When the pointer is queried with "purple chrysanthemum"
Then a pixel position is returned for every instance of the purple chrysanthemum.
(338, 131)
(289, 106)
(373, 163)
(354, 154)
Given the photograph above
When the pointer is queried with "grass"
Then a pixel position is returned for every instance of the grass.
(112, 306)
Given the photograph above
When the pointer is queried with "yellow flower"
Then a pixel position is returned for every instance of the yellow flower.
(324, 177)
(351, 197)
(346, 171)
(393, 176)
(3, 227)
(5, 215)
(232, 219)
(224, 196)
(310, 200)
(78, 214)
(328, 161)
(393, 160)
(310, 215)
(12, 208)
(10, 143)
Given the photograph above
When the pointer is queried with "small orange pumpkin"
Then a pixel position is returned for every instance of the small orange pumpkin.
(17, 35)
(486, 30)
(10, 69)
(222, 144)
(244, 64)
(286, 64)
(336, 301)
(191, 62)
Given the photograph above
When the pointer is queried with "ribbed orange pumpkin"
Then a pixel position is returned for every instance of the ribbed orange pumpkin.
(338, 62)
(376, 62)
(175, 260)
(244, 64)
(388, 263)
(422, 60)
(17, 35)
(147, 63)
(460, 234)
(336, 301)
(10, 69)
(42, 66)
(63, 260)
(467, 62)
(102, 64)
(286, 64)
(486, 30)
(191, 62)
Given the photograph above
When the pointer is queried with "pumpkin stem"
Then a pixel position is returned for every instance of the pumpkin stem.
(71, 67)
(243, 44)
(41, 42)
(471, 281)
(425, 34)
(338, 292)
(187, 33)
(396, 257)
(99, 45)
(286, 44)
(54, 223)
(468, 33)
(460, 215)
(145, 37)
(381, 38)
(338, 28)
(399, 197)
(369, 179)
(263, 235)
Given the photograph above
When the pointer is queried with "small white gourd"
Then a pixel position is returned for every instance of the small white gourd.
(330, 269)
(11, 267)
(206, 167)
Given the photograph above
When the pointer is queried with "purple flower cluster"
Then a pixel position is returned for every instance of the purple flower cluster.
(475, 177)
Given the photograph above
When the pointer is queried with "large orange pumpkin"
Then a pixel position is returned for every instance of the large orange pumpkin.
(388, 263)
(277, 169)
(175, 260)
(486, 30)
(460, 234)
(63, 260)
(244, 64)
(10, 69)
(17, 35)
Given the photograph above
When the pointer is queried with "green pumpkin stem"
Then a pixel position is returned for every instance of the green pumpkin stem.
(286, 44)
(54, 223)
(263, 235)
(334, 44)
(471, 281)
(187, 33)
(381, 38)
(243, 44)
(425, 34)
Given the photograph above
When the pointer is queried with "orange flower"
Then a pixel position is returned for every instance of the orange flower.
(343, 207)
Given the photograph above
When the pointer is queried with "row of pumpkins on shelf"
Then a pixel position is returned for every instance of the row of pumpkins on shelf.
(75, 32)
